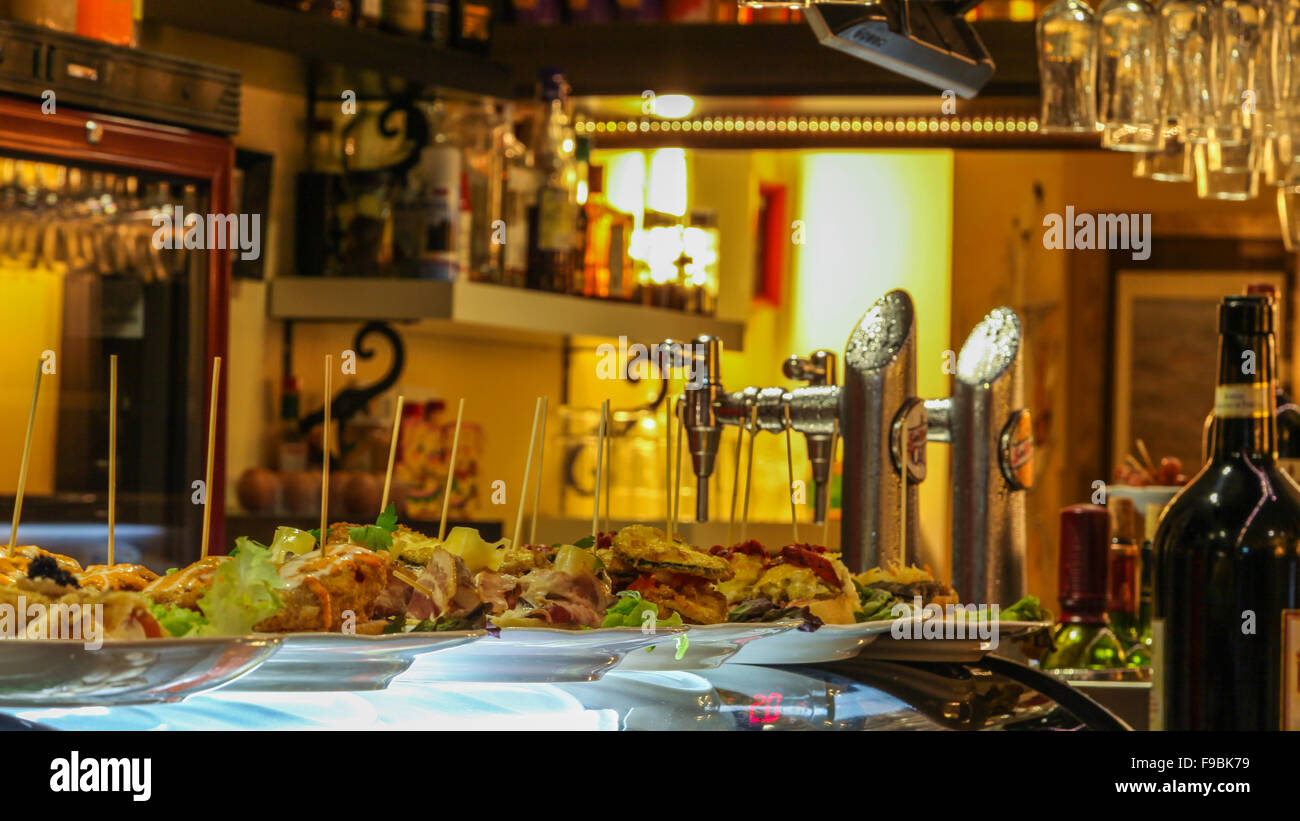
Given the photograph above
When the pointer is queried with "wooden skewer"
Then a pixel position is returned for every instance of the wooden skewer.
(826, 525)
(112, 455)
(749, 470)
(1146, 457)
(668, 468)
(27, 451)
(407, 577)
(541, 463)
(600, 466)
(325, 455)
(451, 471)
(207, 471)
(609, 460)
(677, 471)
(528, 467)
(789, 463)
(392, 452)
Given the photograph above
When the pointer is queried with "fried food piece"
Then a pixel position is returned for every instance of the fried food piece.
(117, 577)
(118, 615)
(647, 550)
(322, 589)
(526, 558)
(13, 568)
(695, 599)
(186, 586)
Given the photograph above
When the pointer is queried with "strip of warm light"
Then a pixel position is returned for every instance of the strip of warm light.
(817, 125)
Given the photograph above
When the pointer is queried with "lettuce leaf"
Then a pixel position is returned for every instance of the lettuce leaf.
(177, 621)
(242, 592)
(630, 610)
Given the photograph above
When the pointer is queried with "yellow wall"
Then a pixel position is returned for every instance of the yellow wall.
(31, 313)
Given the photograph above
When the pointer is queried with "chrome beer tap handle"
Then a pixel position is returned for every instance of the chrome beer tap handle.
(818, 370)
(703, 362)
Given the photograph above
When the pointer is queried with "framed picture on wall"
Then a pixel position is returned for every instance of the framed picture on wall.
(1165, 356)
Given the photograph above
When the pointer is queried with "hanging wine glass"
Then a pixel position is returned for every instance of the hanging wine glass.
(1128, 76)
(1066, 35)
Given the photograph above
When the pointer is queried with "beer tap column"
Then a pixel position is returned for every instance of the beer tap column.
(879, 411)
(992, 462)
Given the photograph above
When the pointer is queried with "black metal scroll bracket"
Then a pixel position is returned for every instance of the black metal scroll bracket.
(350, 401)
(1093, 715)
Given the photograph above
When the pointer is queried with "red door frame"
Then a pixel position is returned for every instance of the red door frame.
(132, 144)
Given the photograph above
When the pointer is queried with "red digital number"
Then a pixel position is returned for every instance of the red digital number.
(770, 705)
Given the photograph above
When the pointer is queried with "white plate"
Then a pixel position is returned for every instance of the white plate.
(334, 662)
(946, 647)
(64, 673)
(830, 642)
(708, 646)
(540, 655)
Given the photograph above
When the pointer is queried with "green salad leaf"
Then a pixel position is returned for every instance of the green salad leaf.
(242, 592)
(177, 621)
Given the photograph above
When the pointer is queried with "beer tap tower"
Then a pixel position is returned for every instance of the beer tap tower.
(885, 428)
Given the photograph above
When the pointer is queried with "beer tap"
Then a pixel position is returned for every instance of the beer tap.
(818, 369)
(879, 389)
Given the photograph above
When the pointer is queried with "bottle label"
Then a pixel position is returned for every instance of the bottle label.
(1156, 704)
(1242, 401)
(1291, 669)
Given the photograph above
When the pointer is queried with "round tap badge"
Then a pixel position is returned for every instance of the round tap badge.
(1016, 450)
(911, 427)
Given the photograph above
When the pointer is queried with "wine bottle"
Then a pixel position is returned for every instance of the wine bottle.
(1083, 639)
(1122, 600)
(1227, 556)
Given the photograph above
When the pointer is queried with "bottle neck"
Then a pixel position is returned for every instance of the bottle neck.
(1245, 402)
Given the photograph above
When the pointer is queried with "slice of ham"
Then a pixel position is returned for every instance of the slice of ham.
(448, 579)
(567, 598)
(394, 599)
(500, 590)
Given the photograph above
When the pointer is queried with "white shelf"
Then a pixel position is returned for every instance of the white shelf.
(487, 306)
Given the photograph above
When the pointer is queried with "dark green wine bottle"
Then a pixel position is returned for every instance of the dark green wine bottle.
(1227, 555)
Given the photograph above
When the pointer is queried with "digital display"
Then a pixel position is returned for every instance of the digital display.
(765, 708)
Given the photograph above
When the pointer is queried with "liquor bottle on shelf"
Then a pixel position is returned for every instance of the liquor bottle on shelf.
(367, 14)
(553, 217)
(1227, 620)
(1083, 639)
(510, 246)
(578, 284)
(607, 268)
(1122, 602)
(471, 24)
(432, 203)
(640, 11)
(437, 22)
(403, 17)
(481, 134)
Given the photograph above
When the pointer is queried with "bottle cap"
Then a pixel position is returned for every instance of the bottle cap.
(1084, 563)
(1246, 315)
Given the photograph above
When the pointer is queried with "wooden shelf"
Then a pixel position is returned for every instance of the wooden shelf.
(320, 40)
(487, 306)
(773, 60)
